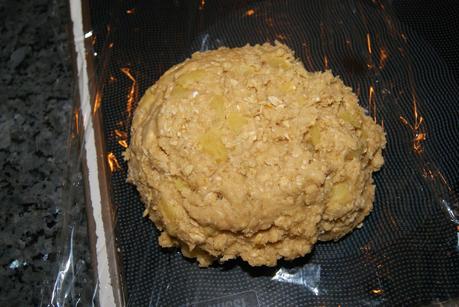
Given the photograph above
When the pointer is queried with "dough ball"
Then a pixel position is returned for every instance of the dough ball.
(243, 153)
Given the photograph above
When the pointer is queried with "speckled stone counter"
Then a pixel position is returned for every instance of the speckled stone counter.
(35, 114)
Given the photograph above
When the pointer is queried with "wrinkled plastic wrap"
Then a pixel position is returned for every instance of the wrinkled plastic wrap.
(406, 253)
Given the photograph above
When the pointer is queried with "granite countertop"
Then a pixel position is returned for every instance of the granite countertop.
(36, 110)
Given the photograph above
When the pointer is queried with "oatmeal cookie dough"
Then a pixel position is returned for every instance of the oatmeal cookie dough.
(243, 153)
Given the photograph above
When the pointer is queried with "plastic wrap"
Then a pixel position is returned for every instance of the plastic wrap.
(407, 252)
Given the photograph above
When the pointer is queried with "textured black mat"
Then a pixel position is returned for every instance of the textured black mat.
(406, 253)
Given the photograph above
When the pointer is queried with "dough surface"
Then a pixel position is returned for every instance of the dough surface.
(243, 153)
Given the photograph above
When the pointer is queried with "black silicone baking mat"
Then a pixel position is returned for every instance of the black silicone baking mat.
(406, 253)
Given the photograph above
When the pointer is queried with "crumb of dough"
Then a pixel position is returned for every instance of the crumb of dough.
(243, 153)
